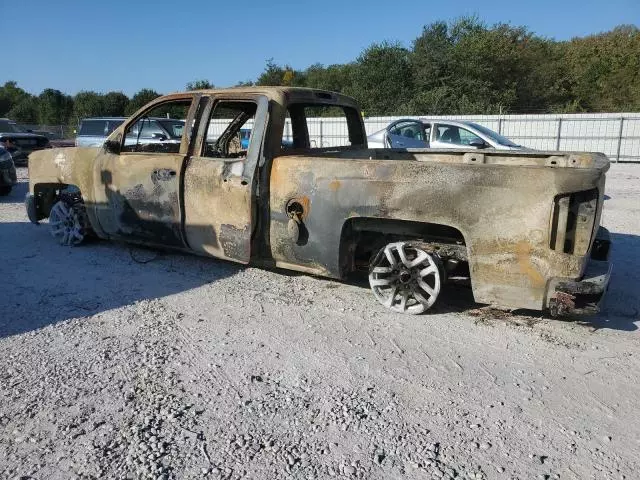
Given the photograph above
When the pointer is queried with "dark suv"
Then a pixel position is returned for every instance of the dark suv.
(94, 131)
(7, 172)
(23, 142)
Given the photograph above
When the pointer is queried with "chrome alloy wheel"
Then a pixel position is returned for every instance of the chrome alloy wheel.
(405, 278)
(67, 223)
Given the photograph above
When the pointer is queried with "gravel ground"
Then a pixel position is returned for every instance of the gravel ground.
(185, 367)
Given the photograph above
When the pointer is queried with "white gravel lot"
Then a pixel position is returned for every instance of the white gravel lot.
(186, 367)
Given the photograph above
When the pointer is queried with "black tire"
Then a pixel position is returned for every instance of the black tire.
(5, 190)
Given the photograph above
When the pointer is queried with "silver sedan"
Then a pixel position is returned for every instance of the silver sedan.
(425, 133)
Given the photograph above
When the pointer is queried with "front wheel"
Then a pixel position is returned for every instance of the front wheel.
(406, 279)
(68, 221)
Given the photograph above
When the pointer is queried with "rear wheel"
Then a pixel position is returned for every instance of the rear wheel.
(68, 220)
(405, 278)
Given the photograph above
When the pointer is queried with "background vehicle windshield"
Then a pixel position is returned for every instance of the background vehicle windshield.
(92, 127)
(98, 128)
(10, 127)
(493, 135)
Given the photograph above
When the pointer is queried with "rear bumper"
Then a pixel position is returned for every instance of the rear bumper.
(585, 296)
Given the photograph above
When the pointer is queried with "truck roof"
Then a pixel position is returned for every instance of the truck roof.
(279, 94)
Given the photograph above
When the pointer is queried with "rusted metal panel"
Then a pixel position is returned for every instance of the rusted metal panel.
(68, 166)
(217, 204)
(141, 198)
(137, 193)
(64, 166)
(502, 212)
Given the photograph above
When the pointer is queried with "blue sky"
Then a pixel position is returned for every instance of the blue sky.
(128, 45)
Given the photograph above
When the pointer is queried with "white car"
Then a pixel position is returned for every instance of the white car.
(425, 133)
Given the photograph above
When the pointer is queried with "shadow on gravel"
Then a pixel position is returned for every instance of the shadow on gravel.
(44, 283)
(452, 299)
(621, 308)
(17, 193)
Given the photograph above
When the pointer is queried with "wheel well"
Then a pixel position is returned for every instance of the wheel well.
(46, 195)
(361, 238)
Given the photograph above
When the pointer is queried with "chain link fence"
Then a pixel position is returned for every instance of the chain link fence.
(53, 132)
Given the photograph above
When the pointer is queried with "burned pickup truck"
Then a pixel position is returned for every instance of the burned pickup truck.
(521, 227)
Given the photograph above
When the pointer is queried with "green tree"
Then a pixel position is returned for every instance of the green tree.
(87, 104)
(464, 66)
(55, 108)
(272, 75)
(140, 99)
(115, 104)
(27, 111)
(336, 77)
(10, 96)
(200, 85)
(467, 67)
(275, 75)
(382, 79)
(605, 70)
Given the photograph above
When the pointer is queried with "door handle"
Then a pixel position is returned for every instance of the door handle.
(164, 174)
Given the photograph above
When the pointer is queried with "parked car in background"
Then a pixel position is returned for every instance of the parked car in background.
(8, 177)
(23, 142)
(154, 130)
(425, 133)
(94, 131)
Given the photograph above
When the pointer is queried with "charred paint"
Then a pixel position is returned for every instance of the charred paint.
(527, 266)
(334, 185)
(502, 217)
(234, 244)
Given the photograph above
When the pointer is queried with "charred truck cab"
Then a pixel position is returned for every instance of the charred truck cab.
(521, 227)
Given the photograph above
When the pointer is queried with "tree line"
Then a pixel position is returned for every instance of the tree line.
(462, 67)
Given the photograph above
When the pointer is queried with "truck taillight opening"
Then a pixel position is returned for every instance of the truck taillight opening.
(573, 220)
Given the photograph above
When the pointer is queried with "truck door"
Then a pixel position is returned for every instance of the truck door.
(219, 177)
(314, 191)
(140, 178)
